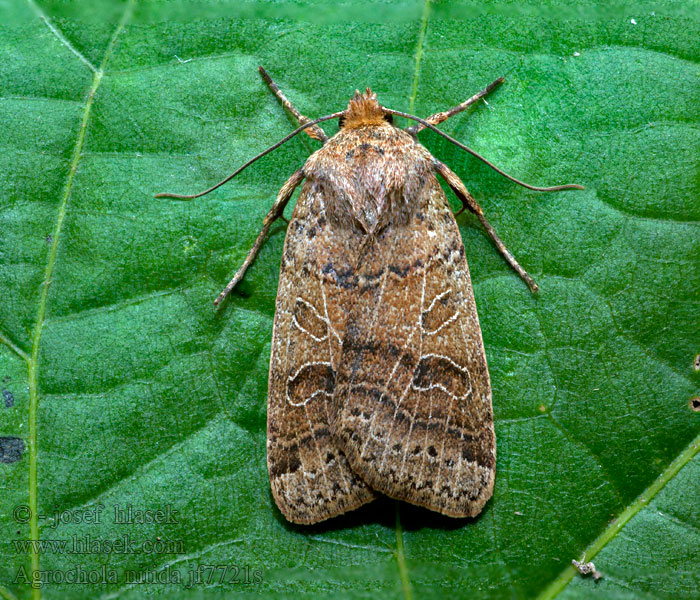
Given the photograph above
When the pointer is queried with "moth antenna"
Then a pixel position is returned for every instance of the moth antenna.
(556, 188)
(252, 160)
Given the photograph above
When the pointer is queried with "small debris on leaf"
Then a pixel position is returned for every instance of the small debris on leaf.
(587, 568)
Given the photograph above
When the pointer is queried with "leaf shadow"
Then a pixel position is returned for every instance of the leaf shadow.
(244, 295)
(382, 512)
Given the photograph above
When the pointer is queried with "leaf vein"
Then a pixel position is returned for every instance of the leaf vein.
(14, 347)
(565, 577)
(419, 55)
(587, 448)
(59, 35)
(33, 363)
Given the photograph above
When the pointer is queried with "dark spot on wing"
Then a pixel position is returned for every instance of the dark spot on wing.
(440, 372)
(344, 278)
(309, 320)
(399, 271)
(310, 380)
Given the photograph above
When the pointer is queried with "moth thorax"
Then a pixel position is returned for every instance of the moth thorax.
(363, 109)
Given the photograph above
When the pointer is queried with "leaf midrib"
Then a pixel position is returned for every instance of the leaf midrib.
(618, 523)
(33, 363)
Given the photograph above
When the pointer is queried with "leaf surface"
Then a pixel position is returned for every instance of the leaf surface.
(123, 388)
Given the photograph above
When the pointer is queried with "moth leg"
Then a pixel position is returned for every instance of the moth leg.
(275, 213)
(470, 203)
(443, 116)
(314, 131)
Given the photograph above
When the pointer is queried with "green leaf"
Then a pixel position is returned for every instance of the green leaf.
(652, 554)
(123, 388)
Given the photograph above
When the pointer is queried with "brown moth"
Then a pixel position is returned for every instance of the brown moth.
(378, 378)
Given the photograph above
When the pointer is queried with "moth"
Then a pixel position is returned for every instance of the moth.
(378, 378)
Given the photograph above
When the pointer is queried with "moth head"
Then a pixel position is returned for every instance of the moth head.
(363, 109)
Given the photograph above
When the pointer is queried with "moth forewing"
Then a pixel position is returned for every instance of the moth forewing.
(310, 477)
(413, 397)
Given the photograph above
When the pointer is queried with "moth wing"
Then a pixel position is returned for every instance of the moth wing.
(310, 477)
(413, 397)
